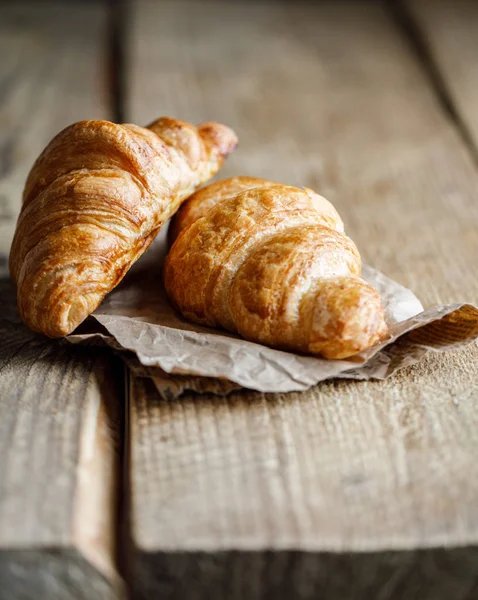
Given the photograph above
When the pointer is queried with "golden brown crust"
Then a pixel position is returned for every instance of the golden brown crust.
(93, 202)
(204, 199)
(273, 264)
(201, 201)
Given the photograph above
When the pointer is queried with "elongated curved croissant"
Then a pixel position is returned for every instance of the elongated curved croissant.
(272, 263)
(94, 201)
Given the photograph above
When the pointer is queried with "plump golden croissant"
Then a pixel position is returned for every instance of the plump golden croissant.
(94, 201)
(273, 264)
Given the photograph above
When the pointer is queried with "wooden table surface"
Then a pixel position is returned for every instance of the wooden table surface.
(350, 491)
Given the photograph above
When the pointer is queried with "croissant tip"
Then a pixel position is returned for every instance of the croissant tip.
(221, 137)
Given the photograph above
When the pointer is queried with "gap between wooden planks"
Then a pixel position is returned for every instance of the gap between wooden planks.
(351, 490)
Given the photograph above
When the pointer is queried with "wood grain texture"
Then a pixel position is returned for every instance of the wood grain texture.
(226, 492)
(348, 492)
(449, 29)
(53, 72)
(61, 412)
(59, 475)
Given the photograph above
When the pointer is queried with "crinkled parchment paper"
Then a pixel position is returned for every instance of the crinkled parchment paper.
(158, 343)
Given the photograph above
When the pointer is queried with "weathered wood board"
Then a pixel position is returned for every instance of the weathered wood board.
(449, 29)
(347, 492)
(351, 490)
(60, 448)
(61, 406)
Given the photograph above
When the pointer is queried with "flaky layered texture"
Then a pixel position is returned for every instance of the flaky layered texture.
(94, 201)
(272, 263)
(205, 198)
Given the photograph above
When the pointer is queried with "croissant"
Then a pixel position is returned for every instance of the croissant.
(273, 264)
(93, 203)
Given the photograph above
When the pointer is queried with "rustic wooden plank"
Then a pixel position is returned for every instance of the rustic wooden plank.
(52, 73)
(60, 436)
(61, 405)
(449, 29)
(348, 492)
(354, 489)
